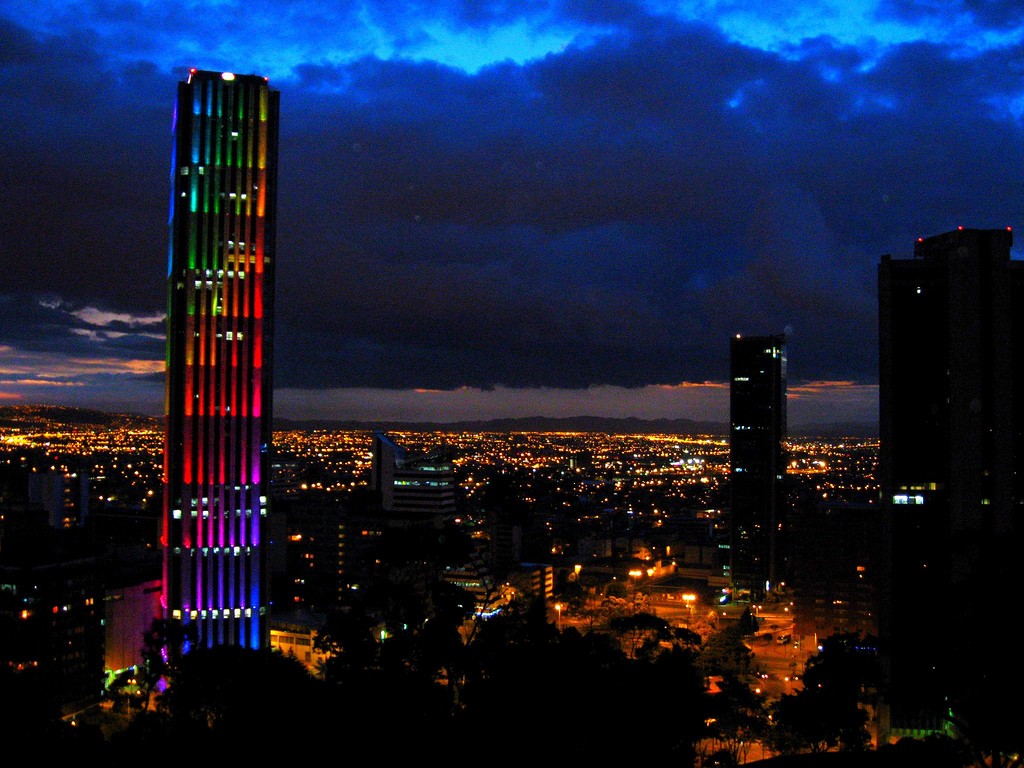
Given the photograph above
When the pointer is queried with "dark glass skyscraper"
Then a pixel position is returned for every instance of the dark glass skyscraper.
(950, 346)
(757, 416)
(219, 358)
(951, 427)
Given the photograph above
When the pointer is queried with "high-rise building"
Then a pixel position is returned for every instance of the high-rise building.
(51, 617)
(757, 429)
(835, 553)
(220, 357)
(64, 495)
(420, 487)
(951, 427)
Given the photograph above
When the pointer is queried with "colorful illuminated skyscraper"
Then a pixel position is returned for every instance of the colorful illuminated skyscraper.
(218, 402)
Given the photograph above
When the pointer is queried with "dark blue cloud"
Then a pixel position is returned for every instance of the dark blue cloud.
(993, 14)
(607, 214)
(47, 324)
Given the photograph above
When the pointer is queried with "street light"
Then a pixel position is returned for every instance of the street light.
(689, 598)
(635, 574)
(558, 610)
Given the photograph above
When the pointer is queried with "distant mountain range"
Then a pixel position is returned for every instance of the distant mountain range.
(616, 426)
(33, 416)
(630, 426)
(24, 416)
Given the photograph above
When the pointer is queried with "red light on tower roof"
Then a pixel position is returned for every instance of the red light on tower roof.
(960, 228)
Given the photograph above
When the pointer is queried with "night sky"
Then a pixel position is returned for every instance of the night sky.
(493, 209)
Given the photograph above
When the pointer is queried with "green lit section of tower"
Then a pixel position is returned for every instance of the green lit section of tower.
(218, 402)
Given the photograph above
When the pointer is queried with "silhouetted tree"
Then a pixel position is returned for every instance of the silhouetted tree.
(803, 722)
(617, 705)
(724, 653)
(571, 592)
(738, 718)
(686, 638)
(348, 642)
(164, 644)
(640, 632)
(236, 700)
(30, 717)
(441, 647)
(829, 711)
(747, 623)
(397, 644)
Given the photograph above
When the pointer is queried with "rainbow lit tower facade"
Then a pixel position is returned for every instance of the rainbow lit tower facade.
(218, 402)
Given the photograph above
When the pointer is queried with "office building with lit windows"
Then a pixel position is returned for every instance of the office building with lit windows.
(951, 429)
(419, 487)
(757, 429)
(220, 358)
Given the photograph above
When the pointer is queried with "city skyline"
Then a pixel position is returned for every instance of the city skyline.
(545, 212)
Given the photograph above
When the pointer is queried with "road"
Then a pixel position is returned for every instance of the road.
(781, 661)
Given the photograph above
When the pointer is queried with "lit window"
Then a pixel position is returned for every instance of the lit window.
(903, 498)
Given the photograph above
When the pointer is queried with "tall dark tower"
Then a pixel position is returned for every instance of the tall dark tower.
(220, 358)
(951, 424)
(757, 415)
(757, 429)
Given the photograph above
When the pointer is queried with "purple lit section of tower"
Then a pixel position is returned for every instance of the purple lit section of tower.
(219, 357)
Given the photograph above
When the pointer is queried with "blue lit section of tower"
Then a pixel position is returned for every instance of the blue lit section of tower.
(218, 404)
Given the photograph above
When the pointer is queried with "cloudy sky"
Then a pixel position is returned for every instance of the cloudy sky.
(493, 209)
